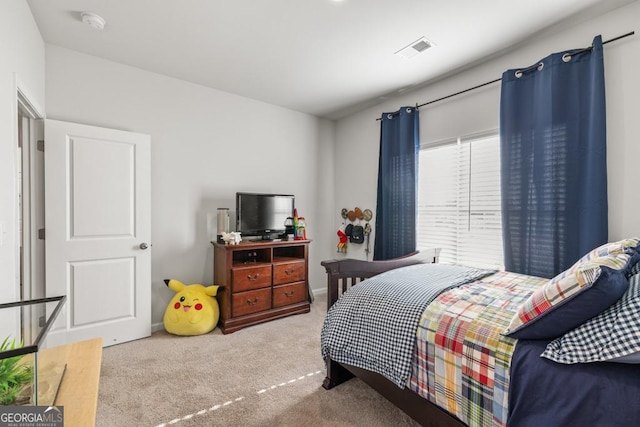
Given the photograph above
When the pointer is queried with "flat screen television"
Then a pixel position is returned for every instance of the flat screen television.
(263, 215)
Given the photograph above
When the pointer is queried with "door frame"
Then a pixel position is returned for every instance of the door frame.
(32, 263)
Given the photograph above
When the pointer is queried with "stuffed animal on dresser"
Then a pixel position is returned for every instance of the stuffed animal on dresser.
(193, 310)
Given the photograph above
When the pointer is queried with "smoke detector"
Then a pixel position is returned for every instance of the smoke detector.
(415, 48)
(93, 20)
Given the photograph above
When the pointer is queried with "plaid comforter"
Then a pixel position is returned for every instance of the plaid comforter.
(461, 360)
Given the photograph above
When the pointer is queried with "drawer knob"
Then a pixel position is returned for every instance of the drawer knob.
(288, 272)
(254, 302)
(254, 277)
(289, 294)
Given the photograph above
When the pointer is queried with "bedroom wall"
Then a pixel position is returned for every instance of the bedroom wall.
(21, 63)
(205, 146)
(357, 136)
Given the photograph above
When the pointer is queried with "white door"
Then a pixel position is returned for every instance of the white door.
(98, 231)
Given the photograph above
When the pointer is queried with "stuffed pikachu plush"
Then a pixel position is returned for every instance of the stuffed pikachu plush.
(193, 310)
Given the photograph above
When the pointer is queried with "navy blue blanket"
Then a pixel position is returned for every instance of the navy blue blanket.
(373, 325)
(546, 393)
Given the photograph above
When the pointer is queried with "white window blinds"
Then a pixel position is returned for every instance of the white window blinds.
(459, 201)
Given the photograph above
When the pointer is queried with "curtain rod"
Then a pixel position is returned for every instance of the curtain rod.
(499, 79)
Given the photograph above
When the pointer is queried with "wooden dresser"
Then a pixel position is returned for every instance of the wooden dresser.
(261, 281)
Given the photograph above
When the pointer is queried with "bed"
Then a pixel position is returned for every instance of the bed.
(475, 351)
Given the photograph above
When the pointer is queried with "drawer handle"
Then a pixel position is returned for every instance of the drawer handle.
(254, 302)
(253, 278)
(289, 294)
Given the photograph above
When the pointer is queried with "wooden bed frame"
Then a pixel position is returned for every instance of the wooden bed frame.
(345, 273)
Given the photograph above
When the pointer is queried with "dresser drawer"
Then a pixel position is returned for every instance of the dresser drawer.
(289, 294)
(247, 278)
(288, 272)
(251, 302)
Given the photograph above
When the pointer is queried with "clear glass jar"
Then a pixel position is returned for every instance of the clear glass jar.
(223, 220)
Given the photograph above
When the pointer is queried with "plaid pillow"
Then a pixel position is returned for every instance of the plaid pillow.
(613, 335)
(574, 296)
(613, 248)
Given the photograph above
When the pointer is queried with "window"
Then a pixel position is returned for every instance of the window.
(459, 201)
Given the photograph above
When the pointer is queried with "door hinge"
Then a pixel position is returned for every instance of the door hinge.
(41, 233)
(40, 145)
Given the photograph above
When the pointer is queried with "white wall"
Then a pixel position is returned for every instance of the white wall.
(205, 146)
(357, 136)
(22, 64)
(201, 140)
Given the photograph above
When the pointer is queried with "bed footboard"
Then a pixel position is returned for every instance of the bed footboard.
(342, 274)
(345, 273)
(418, 408)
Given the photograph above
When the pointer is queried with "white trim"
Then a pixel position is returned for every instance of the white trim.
(320, 291)
(24, 102)
(23, 96)
(491, 133)
(475, 135)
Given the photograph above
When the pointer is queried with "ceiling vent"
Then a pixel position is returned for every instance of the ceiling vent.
(415, 48)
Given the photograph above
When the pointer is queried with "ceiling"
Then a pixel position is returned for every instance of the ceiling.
(323, 57)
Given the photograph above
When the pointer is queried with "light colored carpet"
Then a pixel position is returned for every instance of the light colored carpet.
(265, 375)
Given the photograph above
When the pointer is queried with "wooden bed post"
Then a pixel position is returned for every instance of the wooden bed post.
(336, 374)
(333, 281)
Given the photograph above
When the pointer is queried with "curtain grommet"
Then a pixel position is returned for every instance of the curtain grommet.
(518, 74)
(389, 116)
(408, 110)
(540, 66)
(566, 57)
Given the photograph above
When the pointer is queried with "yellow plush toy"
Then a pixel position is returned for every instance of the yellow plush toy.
(193, 310)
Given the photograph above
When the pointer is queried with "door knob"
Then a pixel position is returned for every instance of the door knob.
(143, 246)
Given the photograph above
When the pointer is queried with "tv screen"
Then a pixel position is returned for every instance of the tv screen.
(263, 214)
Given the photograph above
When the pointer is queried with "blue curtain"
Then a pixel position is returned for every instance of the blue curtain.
(396, 208)
(554, 165)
